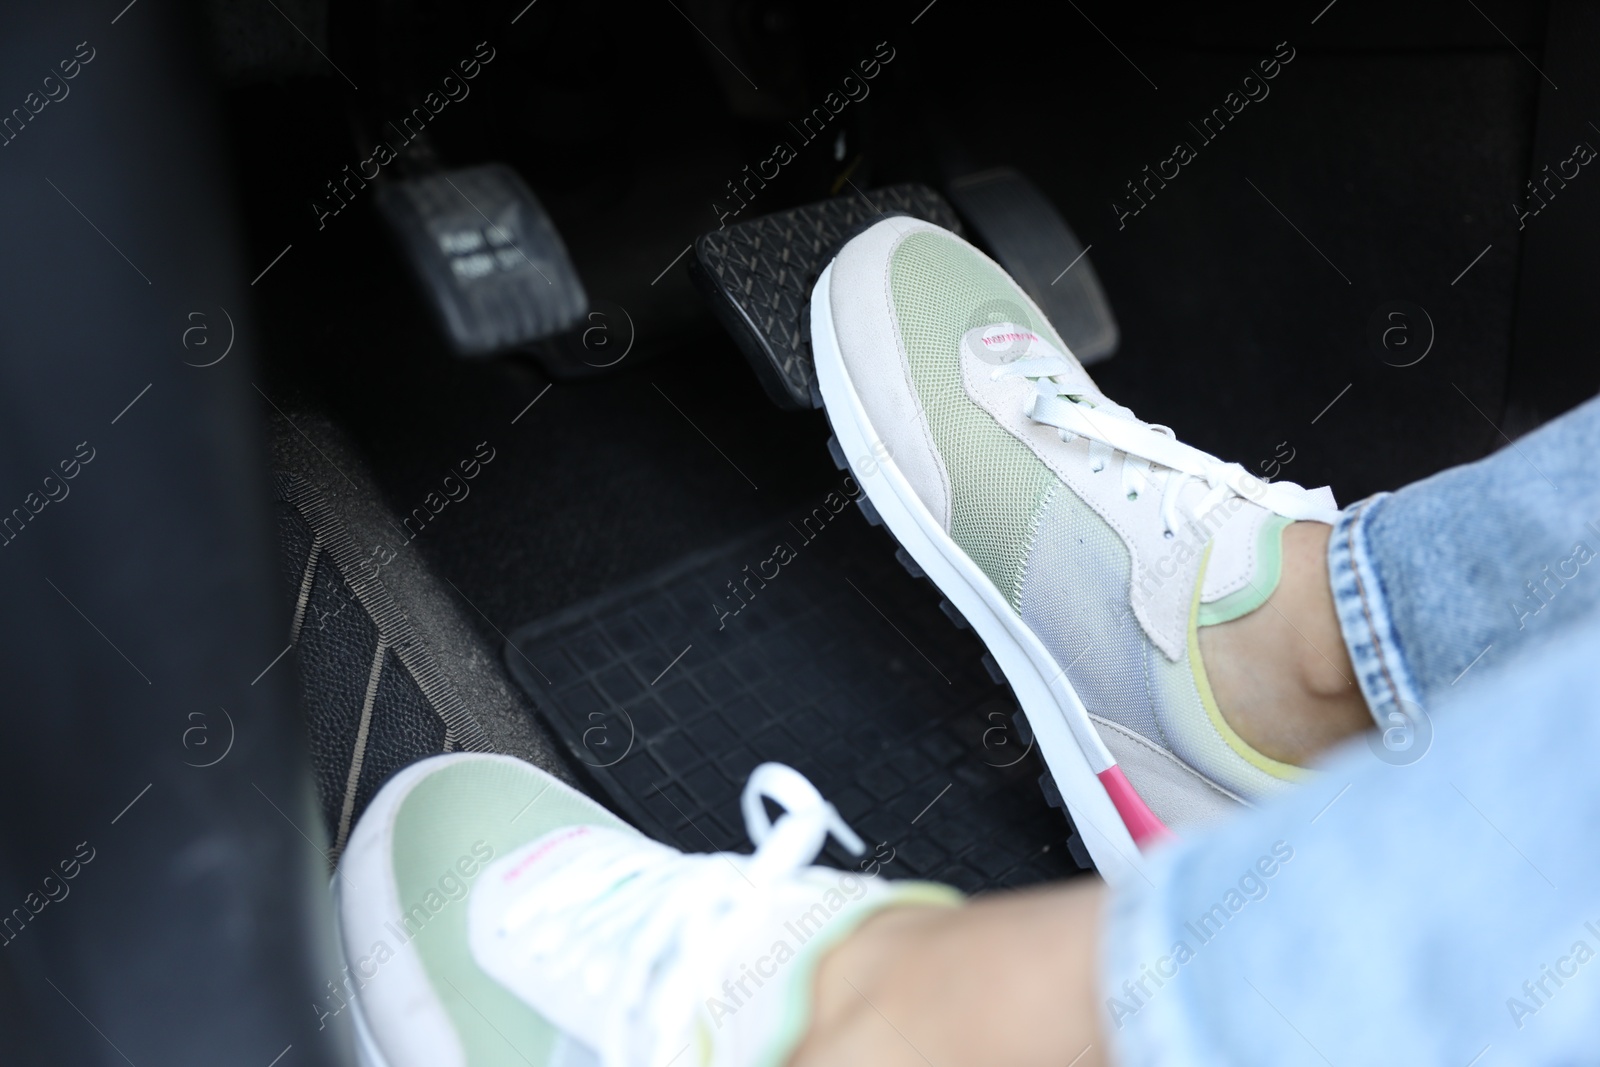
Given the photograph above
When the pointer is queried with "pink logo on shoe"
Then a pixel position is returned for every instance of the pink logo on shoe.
(542, 851)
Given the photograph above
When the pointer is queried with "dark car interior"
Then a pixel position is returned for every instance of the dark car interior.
(553, 484)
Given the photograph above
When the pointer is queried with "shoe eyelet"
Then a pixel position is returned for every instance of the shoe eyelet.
(1097, 469)
(1168, 534)
(1133, 494)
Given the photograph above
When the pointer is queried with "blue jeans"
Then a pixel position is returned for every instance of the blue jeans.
(1433, 897)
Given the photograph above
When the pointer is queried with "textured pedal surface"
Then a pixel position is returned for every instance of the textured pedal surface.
(1019, 226)
(837, 663)
(489, 260)
(758, 275)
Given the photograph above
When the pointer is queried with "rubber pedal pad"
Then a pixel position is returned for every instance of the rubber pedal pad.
(492, 268)
(758, 274)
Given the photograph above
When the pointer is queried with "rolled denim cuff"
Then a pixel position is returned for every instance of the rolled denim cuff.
(1361, 602)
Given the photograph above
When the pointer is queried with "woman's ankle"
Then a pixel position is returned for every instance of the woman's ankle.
(1005, 979)
(1281, 675)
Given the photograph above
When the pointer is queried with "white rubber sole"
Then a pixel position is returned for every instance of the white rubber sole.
(380, 812)
(1041, 687)
(367, 1051)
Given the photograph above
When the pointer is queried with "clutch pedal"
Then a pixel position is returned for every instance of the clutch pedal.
(491, 265)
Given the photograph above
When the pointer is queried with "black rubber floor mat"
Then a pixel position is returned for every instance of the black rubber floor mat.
(804, 644)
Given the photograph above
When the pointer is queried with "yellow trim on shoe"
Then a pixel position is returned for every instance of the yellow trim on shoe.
(1286, 772)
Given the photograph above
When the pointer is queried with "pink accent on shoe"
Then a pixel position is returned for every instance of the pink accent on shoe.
(1147, 830)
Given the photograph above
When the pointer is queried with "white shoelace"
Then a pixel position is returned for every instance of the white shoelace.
(641, 927)
(1152, 455)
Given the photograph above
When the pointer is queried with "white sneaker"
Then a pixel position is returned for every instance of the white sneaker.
(1084, 546)
(496, 916)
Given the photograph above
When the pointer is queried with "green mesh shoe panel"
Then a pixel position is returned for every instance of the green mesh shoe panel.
(466, 810)
(941, 290)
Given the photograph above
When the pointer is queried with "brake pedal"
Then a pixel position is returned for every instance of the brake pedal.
(758, 276)
(491, 265)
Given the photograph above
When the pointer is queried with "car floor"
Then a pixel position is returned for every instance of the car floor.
(1247, 291)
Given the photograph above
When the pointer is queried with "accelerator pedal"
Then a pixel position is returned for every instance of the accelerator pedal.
(491, 265)
(758, 276)
(1015, 223)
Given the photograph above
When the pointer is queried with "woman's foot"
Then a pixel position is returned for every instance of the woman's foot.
(1106, 564)
(491, 915)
